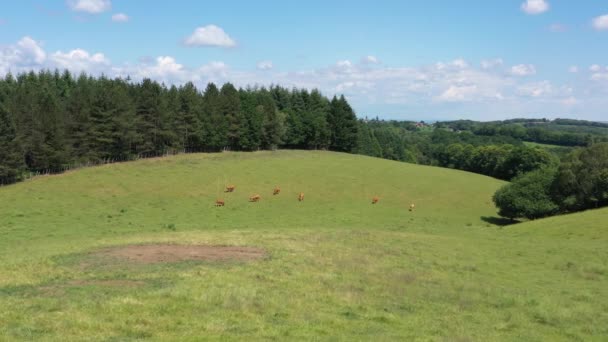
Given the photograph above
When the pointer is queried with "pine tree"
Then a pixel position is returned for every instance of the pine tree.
(317, 132)
(78, 111)
(273, 122)
(11, 158)
(112, 132)
(188, 125)
(151, 120)
(343, 125)
(230, 107)
(214, 127)
(253, 116)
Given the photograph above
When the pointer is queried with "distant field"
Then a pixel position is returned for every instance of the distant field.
(535, 144)
(557, 149)
(333, 266)
(577, 128)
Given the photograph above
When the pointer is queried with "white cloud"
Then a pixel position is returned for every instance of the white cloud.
(595, 68)
(28, 54)
(458, 93)
(459, 63)
(370, 60)
(120, 18)
(535, 6)
(165, 69)
(573, 69)
(569, 101)
(90, 6)
(344, 64)
(599, 76)
(30, 51)
(210, 35)
(523, 70)
(215, 71)
(264, 65)
(79, 60)
(444, 89)
(491, 63)
(537, 89)
(600, 23)
(361, 86)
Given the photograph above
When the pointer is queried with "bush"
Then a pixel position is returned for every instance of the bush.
(528, 196)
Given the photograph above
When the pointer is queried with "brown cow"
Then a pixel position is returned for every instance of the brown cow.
(276, 191)
(230, 188)
(375, 199)
(301, 197)
(255, 198)
(219, 203)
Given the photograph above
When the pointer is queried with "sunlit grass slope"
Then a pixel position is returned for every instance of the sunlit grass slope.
(151, 195)
(338, 266)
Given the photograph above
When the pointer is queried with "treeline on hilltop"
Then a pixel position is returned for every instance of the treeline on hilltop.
(50, 121)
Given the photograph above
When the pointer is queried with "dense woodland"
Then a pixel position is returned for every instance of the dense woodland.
(53, 121)
(50, 121)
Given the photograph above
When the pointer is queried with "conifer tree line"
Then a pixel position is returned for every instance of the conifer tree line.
(50, 121)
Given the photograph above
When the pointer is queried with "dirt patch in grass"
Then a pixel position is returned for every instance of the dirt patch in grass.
(166, 253)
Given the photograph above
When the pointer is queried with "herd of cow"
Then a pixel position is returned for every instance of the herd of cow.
(253, 198)
(256, 197)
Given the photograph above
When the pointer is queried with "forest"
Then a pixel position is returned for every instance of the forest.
(53, 121)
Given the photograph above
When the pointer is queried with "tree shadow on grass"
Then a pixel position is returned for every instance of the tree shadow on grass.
(498, 221)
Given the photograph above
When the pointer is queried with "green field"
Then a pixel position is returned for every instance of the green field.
(548, 146)
(337, 267)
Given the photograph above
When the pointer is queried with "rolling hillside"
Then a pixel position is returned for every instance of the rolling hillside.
(331, 267)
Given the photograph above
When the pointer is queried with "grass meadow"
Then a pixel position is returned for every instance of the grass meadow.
(336, 268)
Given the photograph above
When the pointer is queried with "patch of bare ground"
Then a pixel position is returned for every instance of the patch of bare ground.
(167, 253)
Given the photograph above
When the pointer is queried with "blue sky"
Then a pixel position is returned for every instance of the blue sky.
(445, 59)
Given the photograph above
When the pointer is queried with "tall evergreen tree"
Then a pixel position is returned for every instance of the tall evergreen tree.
(317, 132)
(230, 107)
(78, 111)
(253, 117)
(151, 123)
(343, 125)
(187, 122)
(214, 130)
(11, 158)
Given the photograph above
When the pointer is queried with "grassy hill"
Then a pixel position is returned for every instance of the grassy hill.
(337, 267)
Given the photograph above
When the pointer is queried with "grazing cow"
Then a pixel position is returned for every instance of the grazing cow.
(375, 199)
(219, 203)
(301, 197)
(276, 191)
(255, 198)
(412, 206)
(230, 188)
